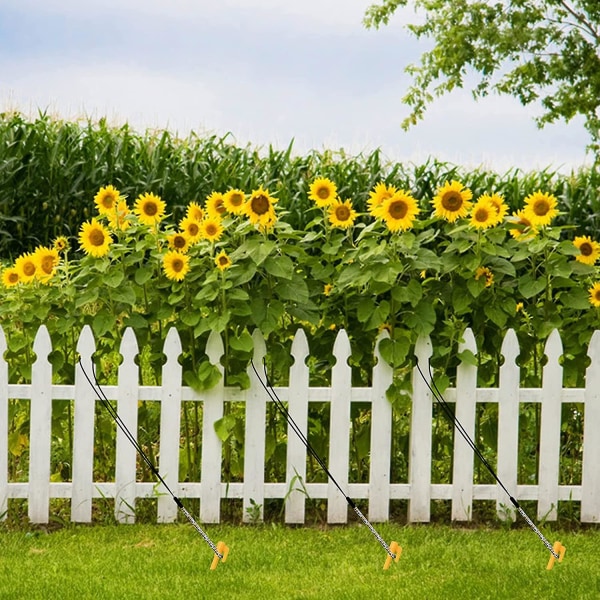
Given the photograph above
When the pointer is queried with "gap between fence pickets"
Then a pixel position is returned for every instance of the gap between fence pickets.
(419, 490)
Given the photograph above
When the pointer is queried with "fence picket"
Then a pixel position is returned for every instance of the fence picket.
(381, 438)
(254, 448)
(419, 466)
(170, 420)
(462, 468)
(549, 460)
(298, 411)
(83, 431)
(3, 428)
(339, 432)
(127, 409)
(212, 447)
(40, 429)
(508, 425)
(590, 495)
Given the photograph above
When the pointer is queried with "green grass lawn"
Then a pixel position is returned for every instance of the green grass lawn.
(274, 561)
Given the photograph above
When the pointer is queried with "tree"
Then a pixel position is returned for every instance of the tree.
(534, 50)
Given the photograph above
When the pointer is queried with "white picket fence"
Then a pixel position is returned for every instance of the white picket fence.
(419, 490)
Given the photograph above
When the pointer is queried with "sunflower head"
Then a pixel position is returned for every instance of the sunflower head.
(260, 207)
(540, 208)
(176, 265)
(233, 200)
(94, 238)
(46, 260)
(525, 229)
(341, 214)
(211, 229)
(117, 218)
(484, 272)
(214, 205)
(498, 203)
(483, 214)
(452, 201)
(327, 288)
(150, 209)
(323, 192)
(26, 267)
(10, 277)
(178, 241)
(595, 294)
(589, 250)
(399, 211)
(107, 199)
(378, 195)
(190, 228)
(194, 211)
(61, 244)
(222, 261)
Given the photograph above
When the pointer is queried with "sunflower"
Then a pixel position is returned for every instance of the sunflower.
(525, 229)
(498, 203)
(484, 272)
(61, 244)
(176, 265)
(10, 277)
(179, 241)
(211, 229)
(327, 288)
(222, 260)
(191, 228)
(589, 250)
(94, 238)
(259, 208)
(26, 267)
(117, 218)
(194, 211)
(341, 214)
(107, 199)
(540, 208)
(452, 201)
(378, 195)
(214, 205)
(483, 214)
(150, 209)
(233, 200)
(595, 294)
(398, 212)
(323, 192)
(46, 260)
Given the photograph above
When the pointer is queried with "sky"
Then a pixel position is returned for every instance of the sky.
(267, 72)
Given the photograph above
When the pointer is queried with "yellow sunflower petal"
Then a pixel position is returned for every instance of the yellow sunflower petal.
(452, 201)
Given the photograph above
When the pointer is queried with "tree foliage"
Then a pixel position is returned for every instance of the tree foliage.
(545, 51)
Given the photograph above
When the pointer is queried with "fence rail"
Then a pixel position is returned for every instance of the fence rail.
(379, 491)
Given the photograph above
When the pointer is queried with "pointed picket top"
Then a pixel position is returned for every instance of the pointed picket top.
(42, 345)
(594, 352)
(510, 349)
(423, 352)
(553, 349)
(341, 348)
(172, 346)
(3, 345)
(215, 348)
(260, 348)
(300, 349)
(129, 348)
(383, 335)
(86, 344)
(468, 342)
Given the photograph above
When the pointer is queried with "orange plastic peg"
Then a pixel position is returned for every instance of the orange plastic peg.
(223, 550)
(396, 550)
(558, 549)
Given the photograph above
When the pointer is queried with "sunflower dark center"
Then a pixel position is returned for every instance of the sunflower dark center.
(193, 229)
(398, 209)
(211, 229)
(13, 277)
(586, 249)
(260, 204)
(481, 215)
(541, 208)
(236, 199)
(177, 265)
(323, 193)
(96, 237)
(179, 241)
(29, 269)
(47, 264)
(108, 201)
(150, 209)
(452, 201)
(223, 260)
(342, 213)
